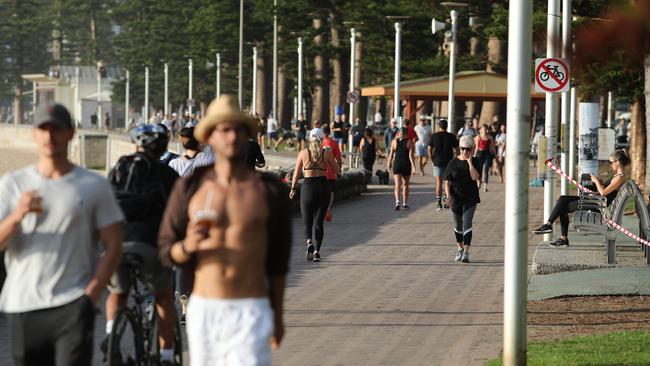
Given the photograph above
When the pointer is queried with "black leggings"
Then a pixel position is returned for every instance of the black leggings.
(314, 200)
(368, 162)
(563, 207)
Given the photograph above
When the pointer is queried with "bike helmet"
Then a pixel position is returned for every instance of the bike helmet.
(151, 138)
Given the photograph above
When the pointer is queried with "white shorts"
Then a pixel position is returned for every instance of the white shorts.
(233, 332)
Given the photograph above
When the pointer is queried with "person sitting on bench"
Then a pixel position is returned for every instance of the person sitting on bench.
(618, 160)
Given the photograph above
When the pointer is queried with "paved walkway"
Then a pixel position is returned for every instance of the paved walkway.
(388, 291)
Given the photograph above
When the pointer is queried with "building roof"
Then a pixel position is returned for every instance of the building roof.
(469, 85)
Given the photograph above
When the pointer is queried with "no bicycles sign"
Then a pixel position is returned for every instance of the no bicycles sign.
(551, 75)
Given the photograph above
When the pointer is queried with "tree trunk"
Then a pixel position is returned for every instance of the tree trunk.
(495, 58)
(646, 92)
(475, 40)
(284, 107)
(638, 143)
(318, 94)
(602, 111)
(337, 85)
(261, 82)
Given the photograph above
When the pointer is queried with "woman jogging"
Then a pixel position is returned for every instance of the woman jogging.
(484, 151)
(369, 150)
(315, 190)
(462, 195)
(401, 161)
(565, 205)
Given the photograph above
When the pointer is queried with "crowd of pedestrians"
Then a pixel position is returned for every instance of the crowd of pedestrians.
(222, 226)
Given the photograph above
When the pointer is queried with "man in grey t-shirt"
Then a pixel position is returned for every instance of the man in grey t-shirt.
(53, 216)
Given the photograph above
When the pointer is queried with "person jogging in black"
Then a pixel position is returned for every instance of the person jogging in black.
(315, 190)
(401, 160)
(462, 195)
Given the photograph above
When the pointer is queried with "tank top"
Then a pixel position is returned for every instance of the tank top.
(402, 153)
(369, 150)
(483, 144)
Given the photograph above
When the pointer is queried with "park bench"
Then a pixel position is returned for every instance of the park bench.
(592, 209)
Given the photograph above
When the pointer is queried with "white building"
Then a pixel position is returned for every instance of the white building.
(76, 87)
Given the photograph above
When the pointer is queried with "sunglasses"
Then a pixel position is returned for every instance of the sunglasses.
(465, 149)
(612, 162)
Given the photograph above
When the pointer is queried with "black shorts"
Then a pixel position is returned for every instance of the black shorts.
(63, 334)
(404, 171)
(332, 184)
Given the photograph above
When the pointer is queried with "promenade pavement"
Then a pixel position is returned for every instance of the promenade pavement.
(388, 291)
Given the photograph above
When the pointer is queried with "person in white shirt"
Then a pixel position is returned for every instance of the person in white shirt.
(423, 130)
(61, 230)
(184, 165)
(271, 129)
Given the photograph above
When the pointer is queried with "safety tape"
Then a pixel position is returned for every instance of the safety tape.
(585, 189)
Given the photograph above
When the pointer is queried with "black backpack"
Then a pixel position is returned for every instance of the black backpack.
(136, 181)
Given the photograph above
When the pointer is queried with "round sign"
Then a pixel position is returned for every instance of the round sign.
(552, 75)
(353, 96)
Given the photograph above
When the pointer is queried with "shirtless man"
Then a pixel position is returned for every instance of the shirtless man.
(236, 240)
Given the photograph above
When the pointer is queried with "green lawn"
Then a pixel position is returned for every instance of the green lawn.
(626, 348)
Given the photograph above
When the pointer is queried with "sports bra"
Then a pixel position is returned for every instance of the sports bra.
(316, 165)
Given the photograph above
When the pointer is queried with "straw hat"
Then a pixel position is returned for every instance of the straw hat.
(223, 109)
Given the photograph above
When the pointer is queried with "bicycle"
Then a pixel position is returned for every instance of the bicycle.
(554, 69)
(134, 338)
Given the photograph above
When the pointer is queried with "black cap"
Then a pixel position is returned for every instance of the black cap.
(55, 114)
(187, 132)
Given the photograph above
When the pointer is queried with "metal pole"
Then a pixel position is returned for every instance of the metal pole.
(553, 28)
(610, 109)
(275, 61)
(299, 76)
(146, 95)
(189, 89)
(254, 106)
(516, 213)
(34, 99)
(240, 79)
(77, 105)
(566, 49)
(572, 133)
(100, 120)
(126, 104)
(218, 74)
(352, 72)
(166, 107)
(396, 97)
(452, 74)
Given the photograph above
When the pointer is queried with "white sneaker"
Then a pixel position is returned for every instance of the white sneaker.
(459, 255)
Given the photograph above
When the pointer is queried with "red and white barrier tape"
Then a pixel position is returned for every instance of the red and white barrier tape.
(585, 189)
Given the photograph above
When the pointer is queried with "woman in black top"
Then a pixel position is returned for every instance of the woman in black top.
(369, 150)
(401, 160)
(462, 195)
(565, 205)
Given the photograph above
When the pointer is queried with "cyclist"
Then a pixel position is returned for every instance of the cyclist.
(142, 185)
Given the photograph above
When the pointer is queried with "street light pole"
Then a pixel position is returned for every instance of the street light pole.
(566, 102)
(218, 75)
(189, 87)
(516, 213)
(166, 108)
(126, 104)
(146, 95)
(275, 61)
(397, 103)
(299, 77)
(240, 78)
(254, 106)
(552, 30)
(352, 72)
(99, 96)
(452, 74)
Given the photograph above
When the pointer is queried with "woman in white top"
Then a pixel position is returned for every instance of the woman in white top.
(501, 151)
(423, 130)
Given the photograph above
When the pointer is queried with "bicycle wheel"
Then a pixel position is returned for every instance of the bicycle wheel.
(125, 341)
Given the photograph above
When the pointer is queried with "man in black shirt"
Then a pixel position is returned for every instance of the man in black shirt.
(442, 148)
